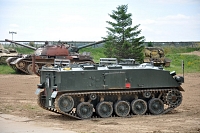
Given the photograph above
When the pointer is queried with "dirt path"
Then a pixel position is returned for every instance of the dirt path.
(19, 101)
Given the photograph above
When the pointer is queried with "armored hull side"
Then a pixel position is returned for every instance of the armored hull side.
(113, 79)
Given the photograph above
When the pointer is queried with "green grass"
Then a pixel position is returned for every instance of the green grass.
(191, 63)
(5, 69)
(96, 53)
(24, 50)
(173, 50)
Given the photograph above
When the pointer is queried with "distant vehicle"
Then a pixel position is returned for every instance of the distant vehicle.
(157, 56)
(5, 53)
(108, 89)
(46, 54)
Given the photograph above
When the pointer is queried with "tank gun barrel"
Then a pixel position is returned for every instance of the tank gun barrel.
(87, 45)
(33, 48)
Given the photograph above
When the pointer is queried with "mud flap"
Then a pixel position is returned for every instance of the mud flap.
(180, 88)
(54, 94)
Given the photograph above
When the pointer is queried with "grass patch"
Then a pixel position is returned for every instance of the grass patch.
(191, 63)
(24, 50)
(174, 50)
(96, 53)
(5, 69)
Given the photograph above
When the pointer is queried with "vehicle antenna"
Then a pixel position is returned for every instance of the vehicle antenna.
(183, 67)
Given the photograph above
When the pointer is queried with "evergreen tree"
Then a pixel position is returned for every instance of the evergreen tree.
(149, 44)
(123, 41)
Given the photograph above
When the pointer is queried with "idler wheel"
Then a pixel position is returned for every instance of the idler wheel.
(139, 106)
(122, 108)
(156, 106)
(174, 98)
(65, 103)
(104, 109)
(30, 68)
(84, 110)
(9, 60)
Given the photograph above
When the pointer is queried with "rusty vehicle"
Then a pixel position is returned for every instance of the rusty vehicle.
(156, 56)
(5, 53)
(108, 89)
(46, 54)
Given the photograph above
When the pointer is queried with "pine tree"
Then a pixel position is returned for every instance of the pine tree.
(123, 41)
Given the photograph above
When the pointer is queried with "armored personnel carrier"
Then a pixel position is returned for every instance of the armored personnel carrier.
(5, 53)
(45, 56)
(108, 89)
(157, 56)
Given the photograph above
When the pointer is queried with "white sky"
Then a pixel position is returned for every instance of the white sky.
(85, 20)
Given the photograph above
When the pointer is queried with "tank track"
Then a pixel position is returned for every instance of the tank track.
(41, 103)
(41, 96)
(73, 113)
(21, 65)
(25, 63)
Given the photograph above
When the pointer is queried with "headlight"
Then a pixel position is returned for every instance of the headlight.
(179, 79)
(173, 73)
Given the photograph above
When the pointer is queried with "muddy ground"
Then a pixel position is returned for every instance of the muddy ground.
(19, 109)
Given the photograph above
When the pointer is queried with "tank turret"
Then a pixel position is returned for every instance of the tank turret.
(46, 54)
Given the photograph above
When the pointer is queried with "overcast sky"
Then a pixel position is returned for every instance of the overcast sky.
(85, 20)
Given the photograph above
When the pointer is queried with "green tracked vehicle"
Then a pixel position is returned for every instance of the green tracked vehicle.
(108, 89)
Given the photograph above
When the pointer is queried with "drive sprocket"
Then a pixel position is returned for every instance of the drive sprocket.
(174, 98)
